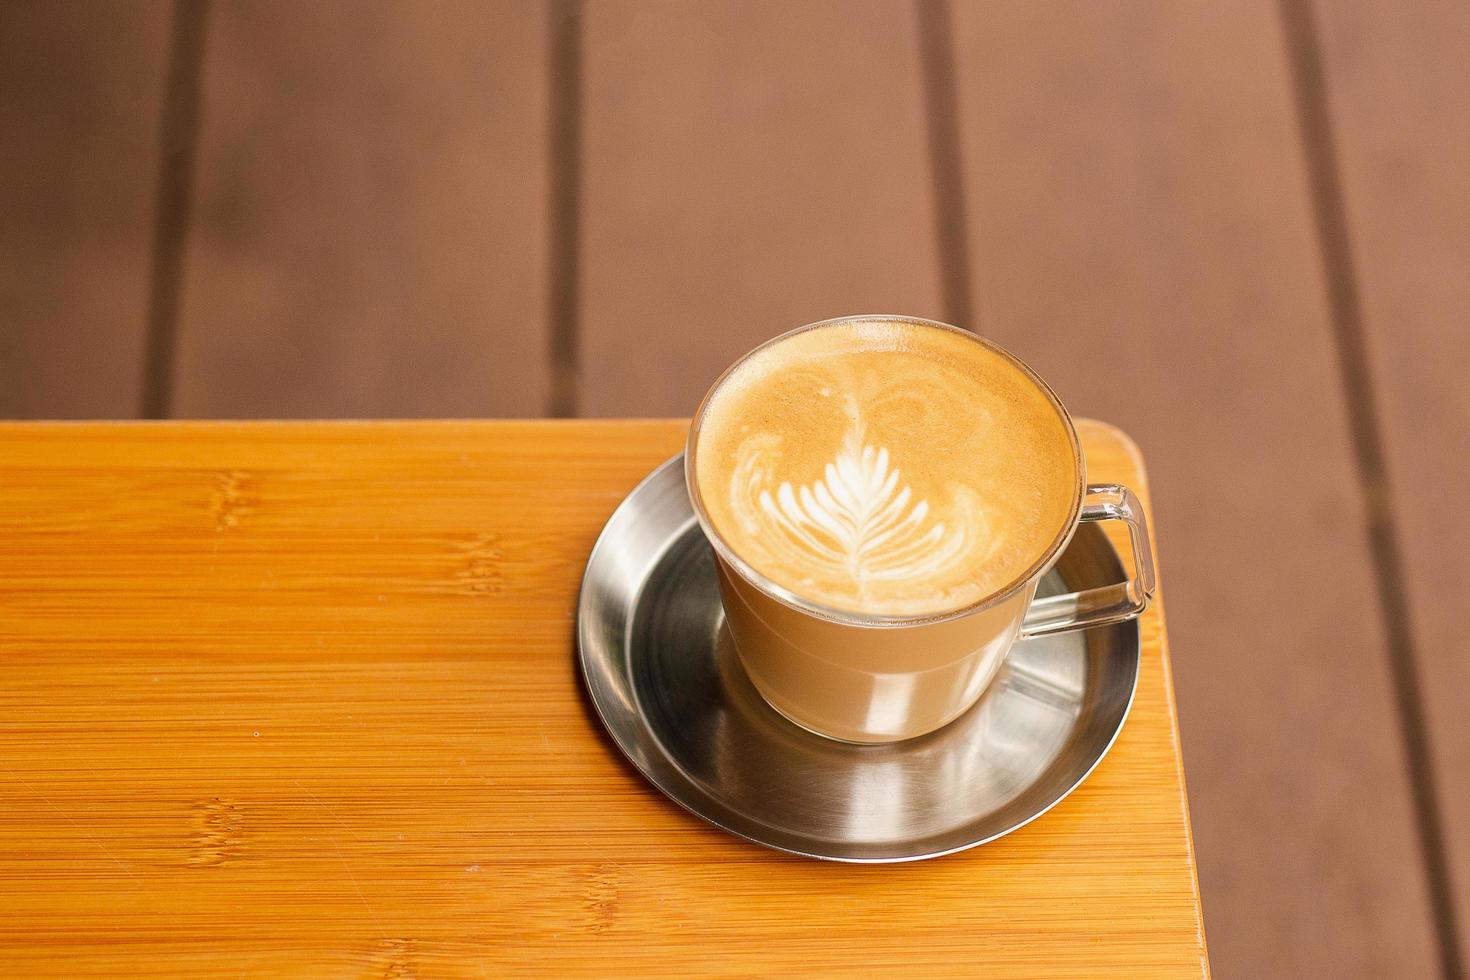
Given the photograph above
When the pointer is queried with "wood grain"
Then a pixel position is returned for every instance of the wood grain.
(1142, 234)
(748, 167)
(81, 89)
(370, 223)
(299, 698)
(1401, 115)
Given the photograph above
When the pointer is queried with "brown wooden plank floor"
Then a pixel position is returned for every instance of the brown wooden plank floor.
(749, 167)
(369, 234)
(1400, 123)
(1186, 217)
(81, 90)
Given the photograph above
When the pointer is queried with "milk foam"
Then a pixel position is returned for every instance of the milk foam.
(885, 467)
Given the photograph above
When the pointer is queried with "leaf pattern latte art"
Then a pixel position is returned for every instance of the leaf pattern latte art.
(859, 522)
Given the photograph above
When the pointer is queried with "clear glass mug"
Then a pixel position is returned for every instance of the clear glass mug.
(861, 678)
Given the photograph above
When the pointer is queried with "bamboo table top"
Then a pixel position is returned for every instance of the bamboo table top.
(300, 698)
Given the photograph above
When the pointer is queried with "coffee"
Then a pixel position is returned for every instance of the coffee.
(885, 467)
(884, 496)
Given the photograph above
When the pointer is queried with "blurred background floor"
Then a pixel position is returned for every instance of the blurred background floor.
(1240, 231)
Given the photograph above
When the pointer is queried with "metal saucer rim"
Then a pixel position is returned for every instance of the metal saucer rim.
(629, 743)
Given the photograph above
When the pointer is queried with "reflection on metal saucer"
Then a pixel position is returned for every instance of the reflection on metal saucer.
(665, 680)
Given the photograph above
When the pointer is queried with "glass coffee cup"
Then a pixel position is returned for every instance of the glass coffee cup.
(887, 662)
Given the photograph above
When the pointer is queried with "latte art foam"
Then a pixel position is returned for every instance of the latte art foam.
(858, 520)
(885, 467)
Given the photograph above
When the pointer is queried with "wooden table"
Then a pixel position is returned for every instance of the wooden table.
(299, 698)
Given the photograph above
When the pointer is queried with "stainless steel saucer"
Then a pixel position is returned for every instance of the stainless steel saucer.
(664, 677)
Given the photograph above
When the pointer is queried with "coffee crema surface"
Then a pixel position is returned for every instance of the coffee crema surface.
(885, 467)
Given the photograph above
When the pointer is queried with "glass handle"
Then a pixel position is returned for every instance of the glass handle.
(1107, 603)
